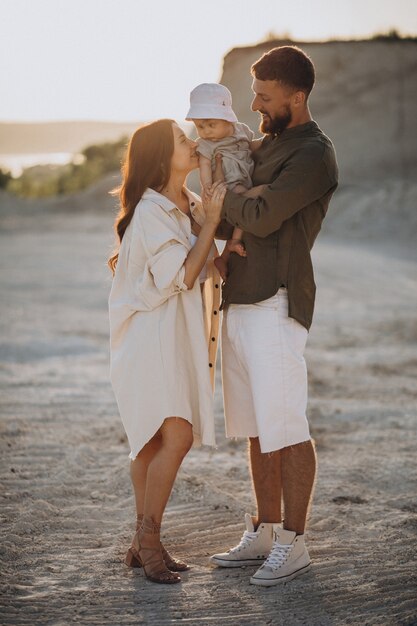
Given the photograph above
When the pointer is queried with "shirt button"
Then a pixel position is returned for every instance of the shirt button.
(216, 285)
(192, 203)
(213, 338)
(210, 364)
(214, 312)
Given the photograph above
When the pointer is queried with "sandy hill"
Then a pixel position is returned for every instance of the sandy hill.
(365, 99)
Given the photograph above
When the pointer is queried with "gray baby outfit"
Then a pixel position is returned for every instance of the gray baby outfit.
(236, 155)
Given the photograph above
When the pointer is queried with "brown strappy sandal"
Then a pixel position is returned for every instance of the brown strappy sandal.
(151, 558)
(173, 564)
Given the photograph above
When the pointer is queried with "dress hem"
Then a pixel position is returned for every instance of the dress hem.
(197, 439)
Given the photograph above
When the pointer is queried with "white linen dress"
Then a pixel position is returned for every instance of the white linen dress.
(158, 337)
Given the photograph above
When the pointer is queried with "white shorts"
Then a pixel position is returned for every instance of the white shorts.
(264, 373)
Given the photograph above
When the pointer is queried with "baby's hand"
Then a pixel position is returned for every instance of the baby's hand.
(254, 192)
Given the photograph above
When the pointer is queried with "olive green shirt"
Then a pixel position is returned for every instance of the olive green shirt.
(280, 226)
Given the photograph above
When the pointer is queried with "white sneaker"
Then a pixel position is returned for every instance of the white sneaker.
(288, 558)
(253, 548)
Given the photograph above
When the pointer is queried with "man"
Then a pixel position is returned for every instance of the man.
(268, 302)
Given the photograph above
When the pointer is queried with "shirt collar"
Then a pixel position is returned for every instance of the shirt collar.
(168, 205)
(296, 131)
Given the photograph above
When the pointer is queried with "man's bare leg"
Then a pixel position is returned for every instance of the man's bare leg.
(289, 556)
(254, 547)
(266, 477)
(295, 468)
(298, 467)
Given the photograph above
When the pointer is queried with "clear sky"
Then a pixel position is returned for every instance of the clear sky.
(138, 59)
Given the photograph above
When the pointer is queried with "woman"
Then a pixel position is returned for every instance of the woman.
(160, 368)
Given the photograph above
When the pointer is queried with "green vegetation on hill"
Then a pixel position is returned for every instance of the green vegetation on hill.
(285, 38)
(392, 35)
(50, 180)
(5, 178)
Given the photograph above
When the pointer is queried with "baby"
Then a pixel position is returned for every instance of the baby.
(219, 132)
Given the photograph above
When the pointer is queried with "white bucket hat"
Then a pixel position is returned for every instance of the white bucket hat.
(211, 101)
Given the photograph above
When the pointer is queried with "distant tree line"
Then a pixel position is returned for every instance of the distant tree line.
(50, 180)
(393, 35)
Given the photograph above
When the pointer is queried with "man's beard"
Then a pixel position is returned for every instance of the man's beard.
(275, 125)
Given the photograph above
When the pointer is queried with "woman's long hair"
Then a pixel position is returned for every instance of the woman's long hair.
(147, 164)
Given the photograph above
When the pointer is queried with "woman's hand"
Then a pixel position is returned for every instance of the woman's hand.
(213, 202)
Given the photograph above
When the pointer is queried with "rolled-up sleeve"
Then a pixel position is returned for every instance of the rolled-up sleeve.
(304, 179)
(167, 266)
(166, 253)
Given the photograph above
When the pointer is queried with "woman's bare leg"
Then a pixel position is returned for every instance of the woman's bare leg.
(139, 470)
(176, 440)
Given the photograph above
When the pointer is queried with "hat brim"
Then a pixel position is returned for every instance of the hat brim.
(211, 112)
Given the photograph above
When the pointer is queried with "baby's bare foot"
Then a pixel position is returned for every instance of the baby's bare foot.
(221, 265)
(235, 245)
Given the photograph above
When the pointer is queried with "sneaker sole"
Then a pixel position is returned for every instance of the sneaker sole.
(224, 563)
(270, 582)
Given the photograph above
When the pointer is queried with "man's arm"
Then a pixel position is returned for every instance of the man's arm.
(304, 179)
(254, 192)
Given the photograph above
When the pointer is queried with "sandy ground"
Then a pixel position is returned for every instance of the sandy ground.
(67, 508)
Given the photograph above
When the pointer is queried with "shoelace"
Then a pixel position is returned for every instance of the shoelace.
(247, 538)
(278, 555)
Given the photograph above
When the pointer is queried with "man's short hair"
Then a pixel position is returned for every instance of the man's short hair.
(288, 65)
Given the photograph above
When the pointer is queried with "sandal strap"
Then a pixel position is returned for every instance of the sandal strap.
(175, 565)
(153, 562)
(149, 526)
(153, 558)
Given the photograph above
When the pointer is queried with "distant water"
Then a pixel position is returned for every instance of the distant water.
(16, 163)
